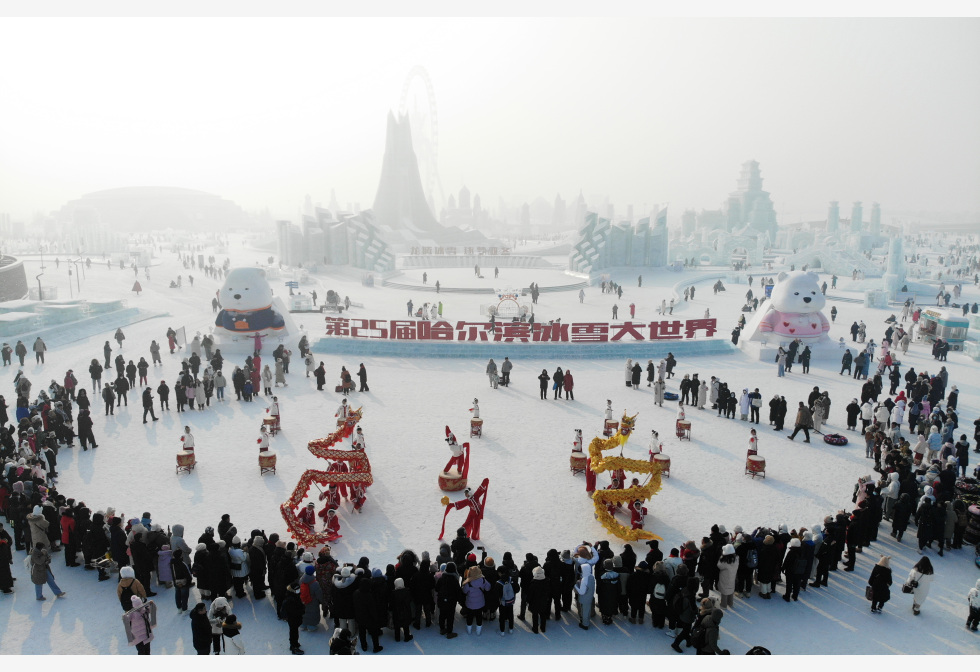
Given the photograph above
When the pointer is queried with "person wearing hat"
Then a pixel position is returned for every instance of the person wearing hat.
(148, 405)
(794, 567)
(308, 517)
(293, 609)
(40, 564)
(727, 570)
(238, 561)
(139, 621)
(710, 623)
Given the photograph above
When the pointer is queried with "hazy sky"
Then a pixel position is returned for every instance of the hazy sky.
(264, 111)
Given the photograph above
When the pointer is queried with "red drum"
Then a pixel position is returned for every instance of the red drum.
(185, 461)
(755, 465)
(683, 428)
(610, 428)
(664, 462)
(577, 462)
(476, 427)
(451, 483)
(267, 462)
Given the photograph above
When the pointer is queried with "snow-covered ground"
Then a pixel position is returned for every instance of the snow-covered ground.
(534, 502)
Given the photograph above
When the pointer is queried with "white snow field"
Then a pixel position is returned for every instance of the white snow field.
(534, 502)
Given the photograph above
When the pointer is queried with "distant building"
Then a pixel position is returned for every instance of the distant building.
(345, 240)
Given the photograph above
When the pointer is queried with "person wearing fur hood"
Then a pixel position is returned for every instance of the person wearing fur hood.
(217, 614)
(38, 526)
(139, 622)
(177, 542)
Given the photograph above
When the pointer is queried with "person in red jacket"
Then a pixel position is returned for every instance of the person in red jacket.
(569, 385)
(308, 517)
(333, 526)
(637, 515)
(69, 537)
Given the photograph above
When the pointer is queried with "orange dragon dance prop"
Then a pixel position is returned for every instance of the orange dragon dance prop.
(602, 498)
(360, 473)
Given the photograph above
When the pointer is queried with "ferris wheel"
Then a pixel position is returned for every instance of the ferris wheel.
(418, 102)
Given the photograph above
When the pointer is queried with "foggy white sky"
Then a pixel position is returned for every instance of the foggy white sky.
(263, 111)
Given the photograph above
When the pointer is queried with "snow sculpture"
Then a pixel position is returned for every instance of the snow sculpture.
(248, 308)
(793, 311)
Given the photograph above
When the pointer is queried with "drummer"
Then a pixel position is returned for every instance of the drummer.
(274, 410)
(476, 409)
(753, 444)
(187, 440)
(577, 443)
(263, 439)
(609, 410)
(655, 446)
(680, 411)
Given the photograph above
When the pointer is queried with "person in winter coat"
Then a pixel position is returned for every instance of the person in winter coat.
(474, 590)
(973, 602)
(727, 570)
(461, 547)
(238, 563)
(804, 420)
(40, 563)
(448, 593)
(880, 582)
(200, 629)
(538, 598)
(901, 513)
(637, 588)
(38, 526)
(543, 380)
(766, 566)
(401, 611)
(180, 573)
(342, 610)
(139, 621)
(311, 595)
(686, 609)
(257, 567)
(505, 591)
(164, 574)
(558, 382)
(712, 629)
(127, 587)
(920, 579)
(292, 610)
(585, 596)
(217, 614)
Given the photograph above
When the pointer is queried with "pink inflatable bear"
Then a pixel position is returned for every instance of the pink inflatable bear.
(793, 310)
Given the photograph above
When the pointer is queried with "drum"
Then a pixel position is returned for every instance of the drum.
(185, 461)
(972, 533)
(610, 428)
(664, 462)
(269, 421)
(755, 465)
(684, 429)
(476, 427)
(451, 482)
(267, 462)
(577, 461)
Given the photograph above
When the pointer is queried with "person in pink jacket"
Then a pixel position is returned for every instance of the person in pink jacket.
(139, 622)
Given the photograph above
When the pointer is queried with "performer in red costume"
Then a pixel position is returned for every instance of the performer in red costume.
(308, 517)
(637, 514)
(333, 526)
(476, 502)
(332, 497)
(615, 485)
(339, 467)
(358, 496)
(589, 476)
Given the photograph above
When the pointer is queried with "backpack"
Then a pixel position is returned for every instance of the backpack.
(126, 598)
(659, 591)
(752, 558)
(699, 635)
(507, 593)
(304, 593)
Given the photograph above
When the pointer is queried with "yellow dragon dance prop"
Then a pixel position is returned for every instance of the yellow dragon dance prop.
(602, 498)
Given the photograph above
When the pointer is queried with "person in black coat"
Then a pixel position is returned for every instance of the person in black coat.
(794, 567)
(320, 373)
(142, 561)
(220, 571)
(369, 621)
(117, 543)
(421, 586)
(853, 413)
(543, 380)
(201, 629)
(924, 518)
(608, 590)
(538, 599)
(448, 595)
(637, 588)
(292, 611)
(94, 543)
(674, 586)
(362, 375)
(880, 582)
(526, 576)
(461, 547)
(257, 567)
(766, 566)
(401, 610)
(552, 571)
